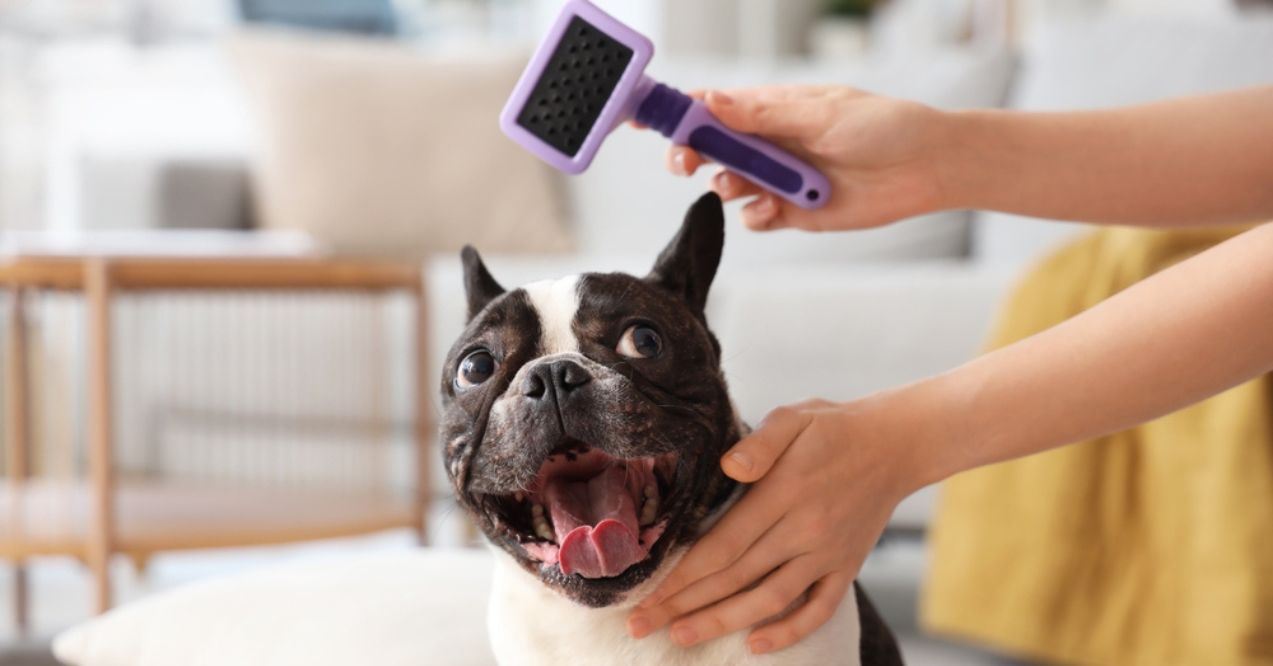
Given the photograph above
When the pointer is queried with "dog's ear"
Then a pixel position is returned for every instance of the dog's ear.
(688, 263)
(479, 287)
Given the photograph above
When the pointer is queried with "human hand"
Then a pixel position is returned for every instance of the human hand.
(826, 482)
(880, 154)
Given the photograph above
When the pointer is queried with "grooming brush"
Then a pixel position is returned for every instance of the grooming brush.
(588, 77)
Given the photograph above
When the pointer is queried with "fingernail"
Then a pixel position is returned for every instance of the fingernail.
(766, 206)
(639, 626)
(678, 162)
(684, 636)
(718, 98)
(724, 184)
(760, 646)
(741, 460)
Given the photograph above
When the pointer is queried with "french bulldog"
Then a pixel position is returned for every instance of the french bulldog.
(583, 423)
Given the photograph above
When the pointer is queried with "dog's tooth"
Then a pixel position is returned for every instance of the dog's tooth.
(541, 529)
(649, 511)
(540, 523)
(651, 491)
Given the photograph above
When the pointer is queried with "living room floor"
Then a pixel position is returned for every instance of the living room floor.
(61, 588)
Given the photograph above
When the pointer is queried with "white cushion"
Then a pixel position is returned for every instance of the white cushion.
(1118, 61)
(402, 609)
(841, 333)
(1126, 60)
(375, 148)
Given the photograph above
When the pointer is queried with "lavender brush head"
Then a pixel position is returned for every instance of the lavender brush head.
(588, 77)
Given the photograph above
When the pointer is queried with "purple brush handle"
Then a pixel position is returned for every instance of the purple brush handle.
(686, 121)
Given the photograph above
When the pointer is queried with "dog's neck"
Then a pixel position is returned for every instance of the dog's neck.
(721, 491)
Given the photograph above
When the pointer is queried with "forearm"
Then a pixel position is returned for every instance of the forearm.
(1191, 161)
(1186, 333)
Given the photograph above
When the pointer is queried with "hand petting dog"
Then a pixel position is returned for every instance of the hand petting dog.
(802, 531)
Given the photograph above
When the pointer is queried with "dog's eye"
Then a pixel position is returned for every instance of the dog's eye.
(640, 341)
(476, 368)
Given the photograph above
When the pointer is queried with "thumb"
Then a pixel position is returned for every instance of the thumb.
(754, 455)
(766, 116)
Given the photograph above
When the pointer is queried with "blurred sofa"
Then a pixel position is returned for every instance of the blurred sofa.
(798, 315)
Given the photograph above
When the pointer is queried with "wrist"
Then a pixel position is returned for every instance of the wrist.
(926, 428)
(965, 156)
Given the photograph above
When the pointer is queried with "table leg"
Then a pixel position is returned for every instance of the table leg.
(19, 431)
(21, 600)
(102, 524)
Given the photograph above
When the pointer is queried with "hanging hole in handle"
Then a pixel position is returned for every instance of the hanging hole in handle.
(812, 195)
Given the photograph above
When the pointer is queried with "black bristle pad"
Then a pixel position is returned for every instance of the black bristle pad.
(574, 86)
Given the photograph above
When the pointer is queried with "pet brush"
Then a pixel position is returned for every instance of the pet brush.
(588, 77)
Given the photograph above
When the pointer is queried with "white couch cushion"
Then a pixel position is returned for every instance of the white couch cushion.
(402, 609)
(1119, 61)
(1129, 60)
(375, 148)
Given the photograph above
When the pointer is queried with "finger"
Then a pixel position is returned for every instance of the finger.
(824, 599)
(777, 92)
(768, 554)
(730, 186)
(767, 600)
(754, 455)
(774, 118)
(817, 220)
(741, 526)
(683, 161)
(794, 217)
(814, 403)
(762, 214)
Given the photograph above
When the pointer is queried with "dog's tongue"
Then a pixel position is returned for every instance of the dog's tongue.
(596, 523)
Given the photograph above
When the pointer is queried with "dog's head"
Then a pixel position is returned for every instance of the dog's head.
(584, 418)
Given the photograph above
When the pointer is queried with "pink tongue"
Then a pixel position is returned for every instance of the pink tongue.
(596, 524)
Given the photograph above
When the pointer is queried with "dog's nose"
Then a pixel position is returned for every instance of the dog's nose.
(562, 375)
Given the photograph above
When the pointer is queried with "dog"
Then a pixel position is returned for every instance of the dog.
(583, 423)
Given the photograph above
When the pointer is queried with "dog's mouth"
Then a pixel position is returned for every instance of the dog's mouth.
(588, 513)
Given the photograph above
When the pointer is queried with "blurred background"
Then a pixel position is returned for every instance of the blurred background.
(275, 419)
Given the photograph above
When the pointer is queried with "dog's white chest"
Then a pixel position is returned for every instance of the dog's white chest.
(530, 625)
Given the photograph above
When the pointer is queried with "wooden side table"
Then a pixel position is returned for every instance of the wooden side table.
(160, 516)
